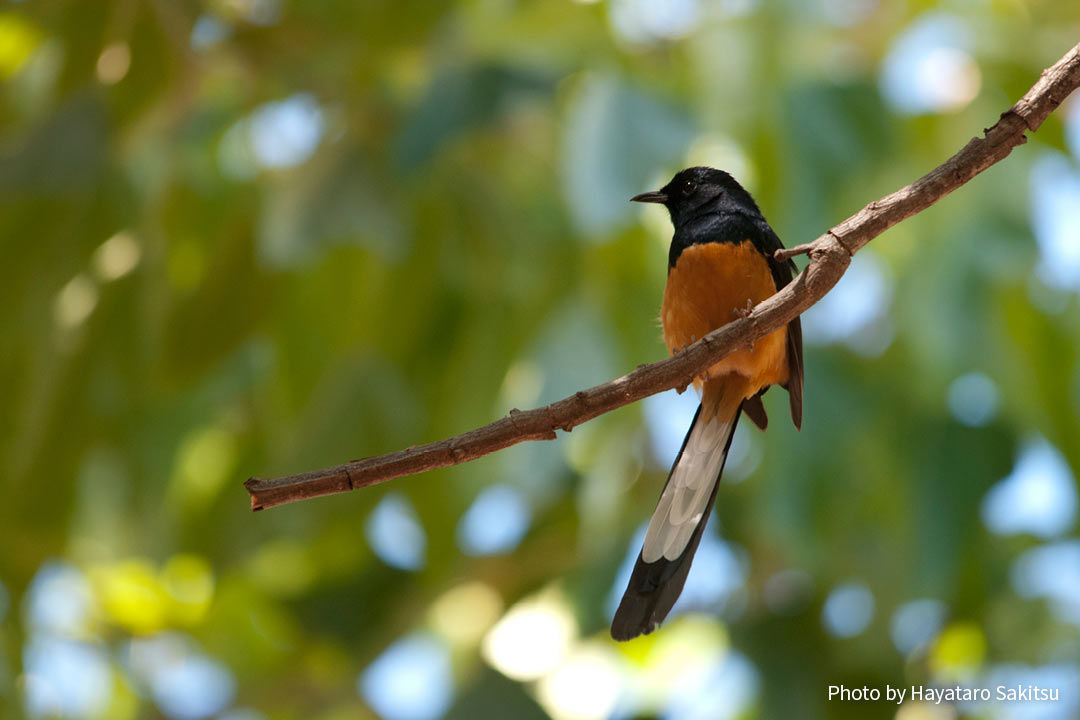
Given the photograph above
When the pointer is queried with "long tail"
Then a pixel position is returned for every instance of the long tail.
(676, 526)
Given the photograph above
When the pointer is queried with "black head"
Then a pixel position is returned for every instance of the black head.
(700, 191)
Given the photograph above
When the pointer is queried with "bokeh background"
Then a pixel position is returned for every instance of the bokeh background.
(256, 237)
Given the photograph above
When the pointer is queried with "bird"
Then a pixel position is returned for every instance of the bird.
(720, 264)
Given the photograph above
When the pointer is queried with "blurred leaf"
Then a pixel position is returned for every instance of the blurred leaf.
(618, 139)
(66, 153)
(256, 237)
(459, 100)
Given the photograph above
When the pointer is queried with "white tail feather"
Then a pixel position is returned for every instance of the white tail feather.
(684, 500)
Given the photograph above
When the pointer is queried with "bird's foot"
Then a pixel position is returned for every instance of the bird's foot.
(744, 312)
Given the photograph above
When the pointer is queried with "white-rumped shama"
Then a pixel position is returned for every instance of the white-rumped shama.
(720, 264)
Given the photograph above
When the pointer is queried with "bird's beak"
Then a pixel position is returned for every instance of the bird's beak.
(654, 197)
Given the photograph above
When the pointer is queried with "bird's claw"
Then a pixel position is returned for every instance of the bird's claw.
(744, 312)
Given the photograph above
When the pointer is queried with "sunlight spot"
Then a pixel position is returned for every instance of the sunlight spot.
(286, 133)
(1054, 195)
(75, 302)
(672, 660)
(207, 32)
(195, 688)
(59, 600)
(973, 399)
(148, 654)
(723, 688)
(277, 135)
(65, 678)
(495, 522)
(185, 683)
(395, 534)
(915, 624)
(855, 312)
(585, 686)
(532, 638)
(1038, 497)
(411, 680)
(116, 257)
(463, 614)
(113, 63)
(1062, 676)
(1053, 572)
(958, 652)
(648, 21)
(848, 609)
(929, 69)
(130, 593)
(18, 40)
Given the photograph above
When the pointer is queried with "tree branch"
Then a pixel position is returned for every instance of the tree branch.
(829, 255)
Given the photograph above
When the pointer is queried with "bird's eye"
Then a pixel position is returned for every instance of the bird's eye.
(689, 187)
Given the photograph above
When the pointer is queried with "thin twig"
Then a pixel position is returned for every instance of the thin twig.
(786, 253)
(829, 258)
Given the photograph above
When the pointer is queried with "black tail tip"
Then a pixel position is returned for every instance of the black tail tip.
(623, 629)
(638, 613)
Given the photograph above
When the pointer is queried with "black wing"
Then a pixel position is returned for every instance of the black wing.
(783, 271)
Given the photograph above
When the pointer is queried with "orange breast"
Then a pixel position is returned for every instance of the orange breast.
(705, 289)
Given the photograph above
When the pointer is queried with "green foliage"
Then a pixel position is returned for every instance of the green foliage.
(253, 237)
